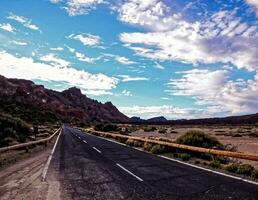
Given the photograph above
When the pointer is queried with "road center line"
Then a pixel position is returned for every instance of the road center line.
(137, 177)
(96, 149)
(84, 141)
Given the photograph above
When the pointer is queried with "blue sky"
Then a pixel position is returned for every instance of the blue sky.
(179, 59)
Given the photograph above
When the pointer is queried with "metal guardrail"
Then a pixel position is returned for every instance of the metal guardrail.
(181, 146)
(17, 146)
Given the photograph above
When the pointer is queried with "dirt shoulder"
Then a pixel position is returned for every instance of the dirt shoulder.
(20, 173)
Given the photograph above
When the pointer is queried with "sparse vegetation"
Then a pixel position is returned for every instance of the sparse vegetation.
(245, 169)
(134, 143)
(231, 167)
(199, 139)
(255, 174)
(185, 156)
(158, 149)
(215, 164)
(13, 129)
(147, 146)
(162, 131)
(150, 129)
(106, 127)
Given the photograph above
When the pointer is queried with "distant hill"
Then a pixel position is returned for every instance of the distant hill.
(231, 120)
(34, 103)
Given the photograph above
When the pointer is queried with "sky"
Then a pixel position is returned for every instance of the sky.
(178, 59)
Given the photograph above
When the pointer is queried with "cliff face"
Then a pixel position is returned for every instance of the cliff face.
(71, 104)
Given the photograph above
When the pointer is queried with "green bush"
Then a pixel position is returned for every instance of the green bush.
(185, 156)
(162, 131)
(158, 149)
(199, 139)
(134, 143)
(150, 129)
(255, 174)
(231, 167)
(215, 164)
(13, 129)
(106, 127)
(245, 169)
(147, 146)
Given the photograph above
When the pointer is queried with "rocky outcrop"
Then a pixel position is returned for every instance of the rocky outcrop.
(65, 105)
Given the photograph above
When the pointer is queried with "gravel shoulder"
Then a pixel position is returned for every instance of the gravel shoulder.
(20, 174)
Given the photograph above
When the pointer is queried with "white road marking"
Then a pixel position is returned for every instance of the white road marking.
(96, 149)
(44, 173)
(184, 163)
(84, 141)
(137, 177)
(209, 170)
(79, 137)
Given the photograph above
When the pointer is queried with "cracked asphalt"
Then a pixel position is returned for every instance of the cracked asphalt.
(88, 167)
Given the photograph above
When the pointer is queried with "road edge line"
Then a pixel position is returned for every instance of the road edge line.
(191, 165)
(44, 172)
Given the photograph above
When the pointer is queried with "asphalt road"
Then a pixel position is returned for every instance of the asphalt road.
(89, 167)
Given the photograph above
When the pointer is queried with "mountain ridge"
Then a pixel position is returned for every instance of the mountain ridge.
(70, 103)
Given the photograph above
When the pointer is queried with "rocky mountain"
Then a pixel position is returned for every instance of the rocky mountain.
(29, 101)
(160, 119)
(231, 120)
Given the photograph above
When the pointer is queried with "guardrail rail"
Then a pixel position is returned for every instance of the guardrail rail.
(240, 155)
(17, 146)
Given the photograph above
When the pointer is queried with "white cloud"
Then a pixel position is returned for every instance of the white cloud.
(220, 38)
(153, 14)
(215, 90)
(7, 27)
(168, 111)
(254, 5)
(97, 92)
(55, 1)
(27, 68)
(87, 39)
(158, 66)
(53, 60)
(84, 58)
(121, 59)
(24, 21)
(127, 93)
(20, 43)
(81, 7)
(127, 78)
(124, 60)
(57, 48)
(72, 50)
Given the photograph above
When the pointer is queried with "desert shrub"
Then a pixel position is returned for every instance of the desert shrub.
(120, 139)
(231, 167)
(134, 143)
(130, 142)
(106, 127)
(245, 169)
(150, 129)
(13, 129)
(148, 146)
(138, 143)
(173, 131)
(215, 164)
(185, 156)
(158, 149)
(255, 174)
(197, 162)
(199, 139)
(162, 131)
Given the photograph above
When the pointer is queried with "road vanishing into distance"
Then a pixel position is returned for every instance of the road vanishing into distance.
(89, 167)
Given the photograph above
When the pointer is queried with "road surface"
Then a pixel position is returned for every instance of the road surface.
(88, 167)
